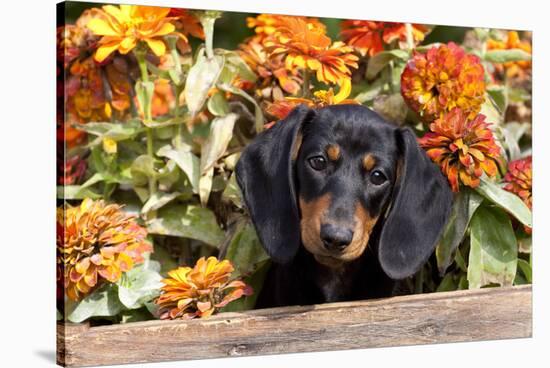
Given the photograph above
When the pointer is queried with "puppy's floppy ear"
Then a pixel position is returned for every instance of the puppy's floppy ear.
(419, 211)
(265, 174)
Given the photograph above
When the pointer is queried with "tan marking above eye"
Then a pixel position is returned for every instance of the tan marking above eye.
(333, 152)
(369, 162)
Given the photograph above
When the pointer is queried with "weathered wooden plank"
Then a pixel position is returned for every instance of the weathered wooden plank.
(471, 315)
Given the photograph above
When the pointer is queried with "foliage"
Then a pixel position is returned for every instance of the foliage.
(156, 118)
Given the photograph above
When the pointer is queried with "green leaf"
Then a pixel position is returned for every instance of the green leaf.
(463, 283)
(217, 104)
(499, 97)
(135, 315)
(144, 94)
(232, 192)
(189, 221)
(465, 204)
(221, 132)
(460, 262)
(76, 192)
(493, 249)
(525, 268)
(504, 56)
(58, 315)
(235, 66)
(201, 78)
(245, 250)
(512, 133)
(139, 285)
(258, 114)
(164, 259)
(447, 284)
(116, 131)
(103, 302)
(142, 169)
(186, 160)
(508, 201)
(205, 185)
(158, 200)
(491, 111)
(372, 91)
(380, 60)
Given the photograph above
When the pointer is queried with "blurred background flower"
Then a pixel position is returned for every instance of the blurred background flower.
(199, 291)
(512, 69)
(464, 148)
(443, 78)
(368, 37)
(95, 242)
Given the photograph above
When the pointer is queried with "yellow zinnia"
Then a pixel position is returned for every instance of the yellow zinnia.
(124, 26)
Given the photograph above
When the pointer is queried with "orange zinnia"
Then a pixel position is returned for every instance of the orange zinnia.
(199, 291)
(519, 179)
(124, 26)
(96, 241)
(463, 148)
(305, 45)
(443, 78)
(271, 70)
(367, 37)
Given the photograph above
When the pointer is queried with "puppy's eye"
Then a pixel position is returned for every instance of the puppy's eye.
(377, 177)
(317, 163)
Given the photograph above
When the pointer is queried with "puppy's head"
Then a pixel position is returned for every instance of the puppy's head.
(325, 178)
(345, 171)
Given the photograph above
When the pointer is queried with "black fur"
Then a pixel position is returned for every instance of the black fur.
(412, 207)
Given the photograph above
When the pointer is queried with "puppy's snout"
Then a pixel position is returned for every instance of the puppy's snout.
(335, 238)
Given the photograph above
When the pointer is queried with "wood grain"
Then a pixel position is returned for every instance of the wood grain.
(471, 315)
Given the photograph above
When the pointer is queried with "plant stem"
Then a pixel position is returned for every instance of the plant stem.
(179, 125)
(305, 86)
(140, 56)
(208, 18)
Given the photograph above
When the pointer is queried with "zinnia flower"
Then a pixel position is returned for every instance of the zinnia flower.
(513, 68)
(199, 291)
(306, 46)
(95, 242)
(443, 78)
(271, 70)
(367, 37)
(187, 22)
(463, 148)
(519, 179)
(124, 26)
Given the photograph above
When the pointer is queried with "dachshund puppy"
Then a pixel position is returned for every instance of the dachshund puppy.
(343, 202)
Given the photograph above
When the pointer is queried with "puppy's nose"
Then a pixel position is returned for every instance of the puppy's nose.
(335, 238)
